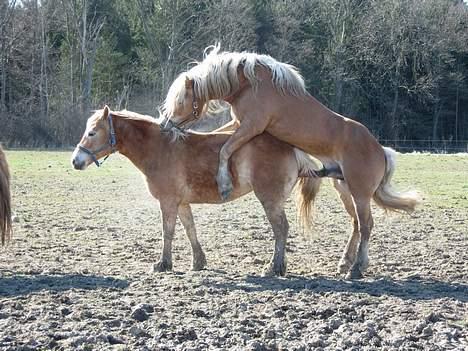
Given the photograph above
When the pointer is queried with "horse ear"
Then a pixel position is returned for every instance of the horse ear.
(188, 83)
(105, 112)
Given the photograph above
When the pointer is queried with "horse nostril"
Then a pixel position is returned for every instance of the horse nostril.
(76, 164)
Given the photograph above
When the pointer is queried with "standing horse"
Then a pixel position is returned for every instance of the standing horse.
(179, 173)
(267, 95)
(5, 199)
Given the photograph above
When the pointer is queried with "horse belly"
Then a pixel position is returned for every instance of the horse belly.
(204, 189)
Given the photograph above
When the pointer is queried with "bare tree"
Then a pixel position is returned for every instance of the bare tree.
(6, 40)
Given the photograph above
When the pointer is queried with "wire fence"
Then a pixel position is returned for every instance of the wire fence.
(433, 146)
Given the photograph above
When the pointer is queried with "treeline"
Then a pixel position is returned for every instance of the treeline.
(398, 66)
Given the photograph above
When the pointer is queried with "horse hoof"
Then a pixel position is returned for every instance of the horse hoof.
(224, 187)
(343, 266)
(354, 274)
(162, 266)
(199, 264)
(272, 271)
(225, 193)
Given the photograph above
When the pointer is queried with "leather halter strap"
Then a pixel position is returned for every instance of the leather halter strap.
(112, 144)
(195, 114)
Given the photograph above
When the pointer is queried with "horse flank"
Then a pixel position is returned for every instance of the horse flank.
(5, 199)
(217, 76)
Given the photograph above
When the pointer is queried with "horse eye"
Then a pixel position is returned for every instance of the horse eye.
(91, 133)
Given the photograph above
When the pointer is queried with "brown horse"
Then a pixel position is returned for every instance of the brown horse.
(5, 199)
(267, 95)
(180, 173)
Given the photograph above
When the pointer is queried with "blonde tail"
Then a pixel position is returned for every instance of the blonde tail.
(306, 189)
(5, 199)
(388, 198)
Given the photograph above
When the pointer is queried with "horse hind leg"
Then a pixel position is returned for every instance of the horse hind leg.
(198, 256)
(363, 172)
(365, 222)
(349, 254)
(280, 225)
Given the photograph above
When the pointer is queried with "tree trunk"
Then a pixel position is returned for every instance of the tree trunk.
(395, 126)
(338, 86)
(339, 69)
(3, 73)
(456, 111)
(88, 78)
(435, 121)
(43, 86)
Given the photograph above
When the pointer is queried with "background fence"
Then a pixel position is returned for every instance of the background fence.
(435, 146)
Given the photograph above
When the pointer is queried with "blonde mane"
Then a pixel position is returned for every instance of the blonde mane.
(125, 114)
(216, 76)
(173, 133)
(134, 116)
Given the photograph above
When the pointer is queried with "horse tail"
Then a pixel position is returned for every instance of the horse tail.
(388, 198)
(5, 199)
(307, 188)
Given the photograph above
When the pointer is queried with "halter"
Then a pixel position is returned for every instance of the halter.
(112, 143)
(195, 114)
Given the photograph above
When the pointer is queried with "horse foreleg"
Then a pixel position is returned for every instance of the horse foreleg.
(169, 217)
(198, 256)
(228, 127)
(241, 136)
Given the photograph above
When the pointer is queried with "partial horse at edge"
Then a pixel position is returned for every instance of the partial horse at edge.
(5, 199)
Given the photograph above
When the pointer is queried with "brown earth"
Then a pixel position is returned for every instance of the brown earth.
(77, 275)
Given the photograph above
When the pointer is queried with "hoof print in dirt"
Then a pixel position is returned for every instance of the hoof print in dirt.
(113, 340)
(141, 312)
(138, 332)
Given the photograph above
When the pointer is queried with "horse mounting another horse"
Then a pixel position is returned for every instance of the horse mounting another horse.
(267, 95)
(5, 199)
(182, 172)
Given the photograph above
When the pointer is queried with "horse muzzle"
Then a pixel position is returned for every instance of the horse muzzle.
(79, 160)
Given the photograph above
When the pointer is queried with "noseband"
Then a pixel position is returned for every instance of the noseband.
(112, 144)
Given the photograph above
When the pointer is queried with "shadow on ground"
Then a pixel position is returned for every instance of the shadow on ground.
(26, 284)
(408, 289)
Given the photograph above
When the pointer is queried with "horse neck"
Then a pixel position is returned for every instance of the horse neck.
(139, 141)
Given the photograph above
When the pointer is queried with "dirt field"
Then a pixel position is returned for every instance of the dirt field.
(77, 274)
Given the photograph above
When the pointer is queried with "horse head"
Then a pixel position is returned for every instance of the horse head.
(98, 140)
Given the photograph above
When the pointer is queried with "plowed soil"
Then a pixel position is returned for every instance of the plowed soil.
(77, 275)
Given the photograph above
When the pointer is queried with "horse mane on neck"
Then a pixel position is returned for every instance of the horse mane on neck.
(217, 76)
(173, 134)
(129, 115)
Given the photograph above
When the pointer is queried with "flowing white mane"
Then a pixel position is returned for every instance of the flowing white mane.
(216, 76)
